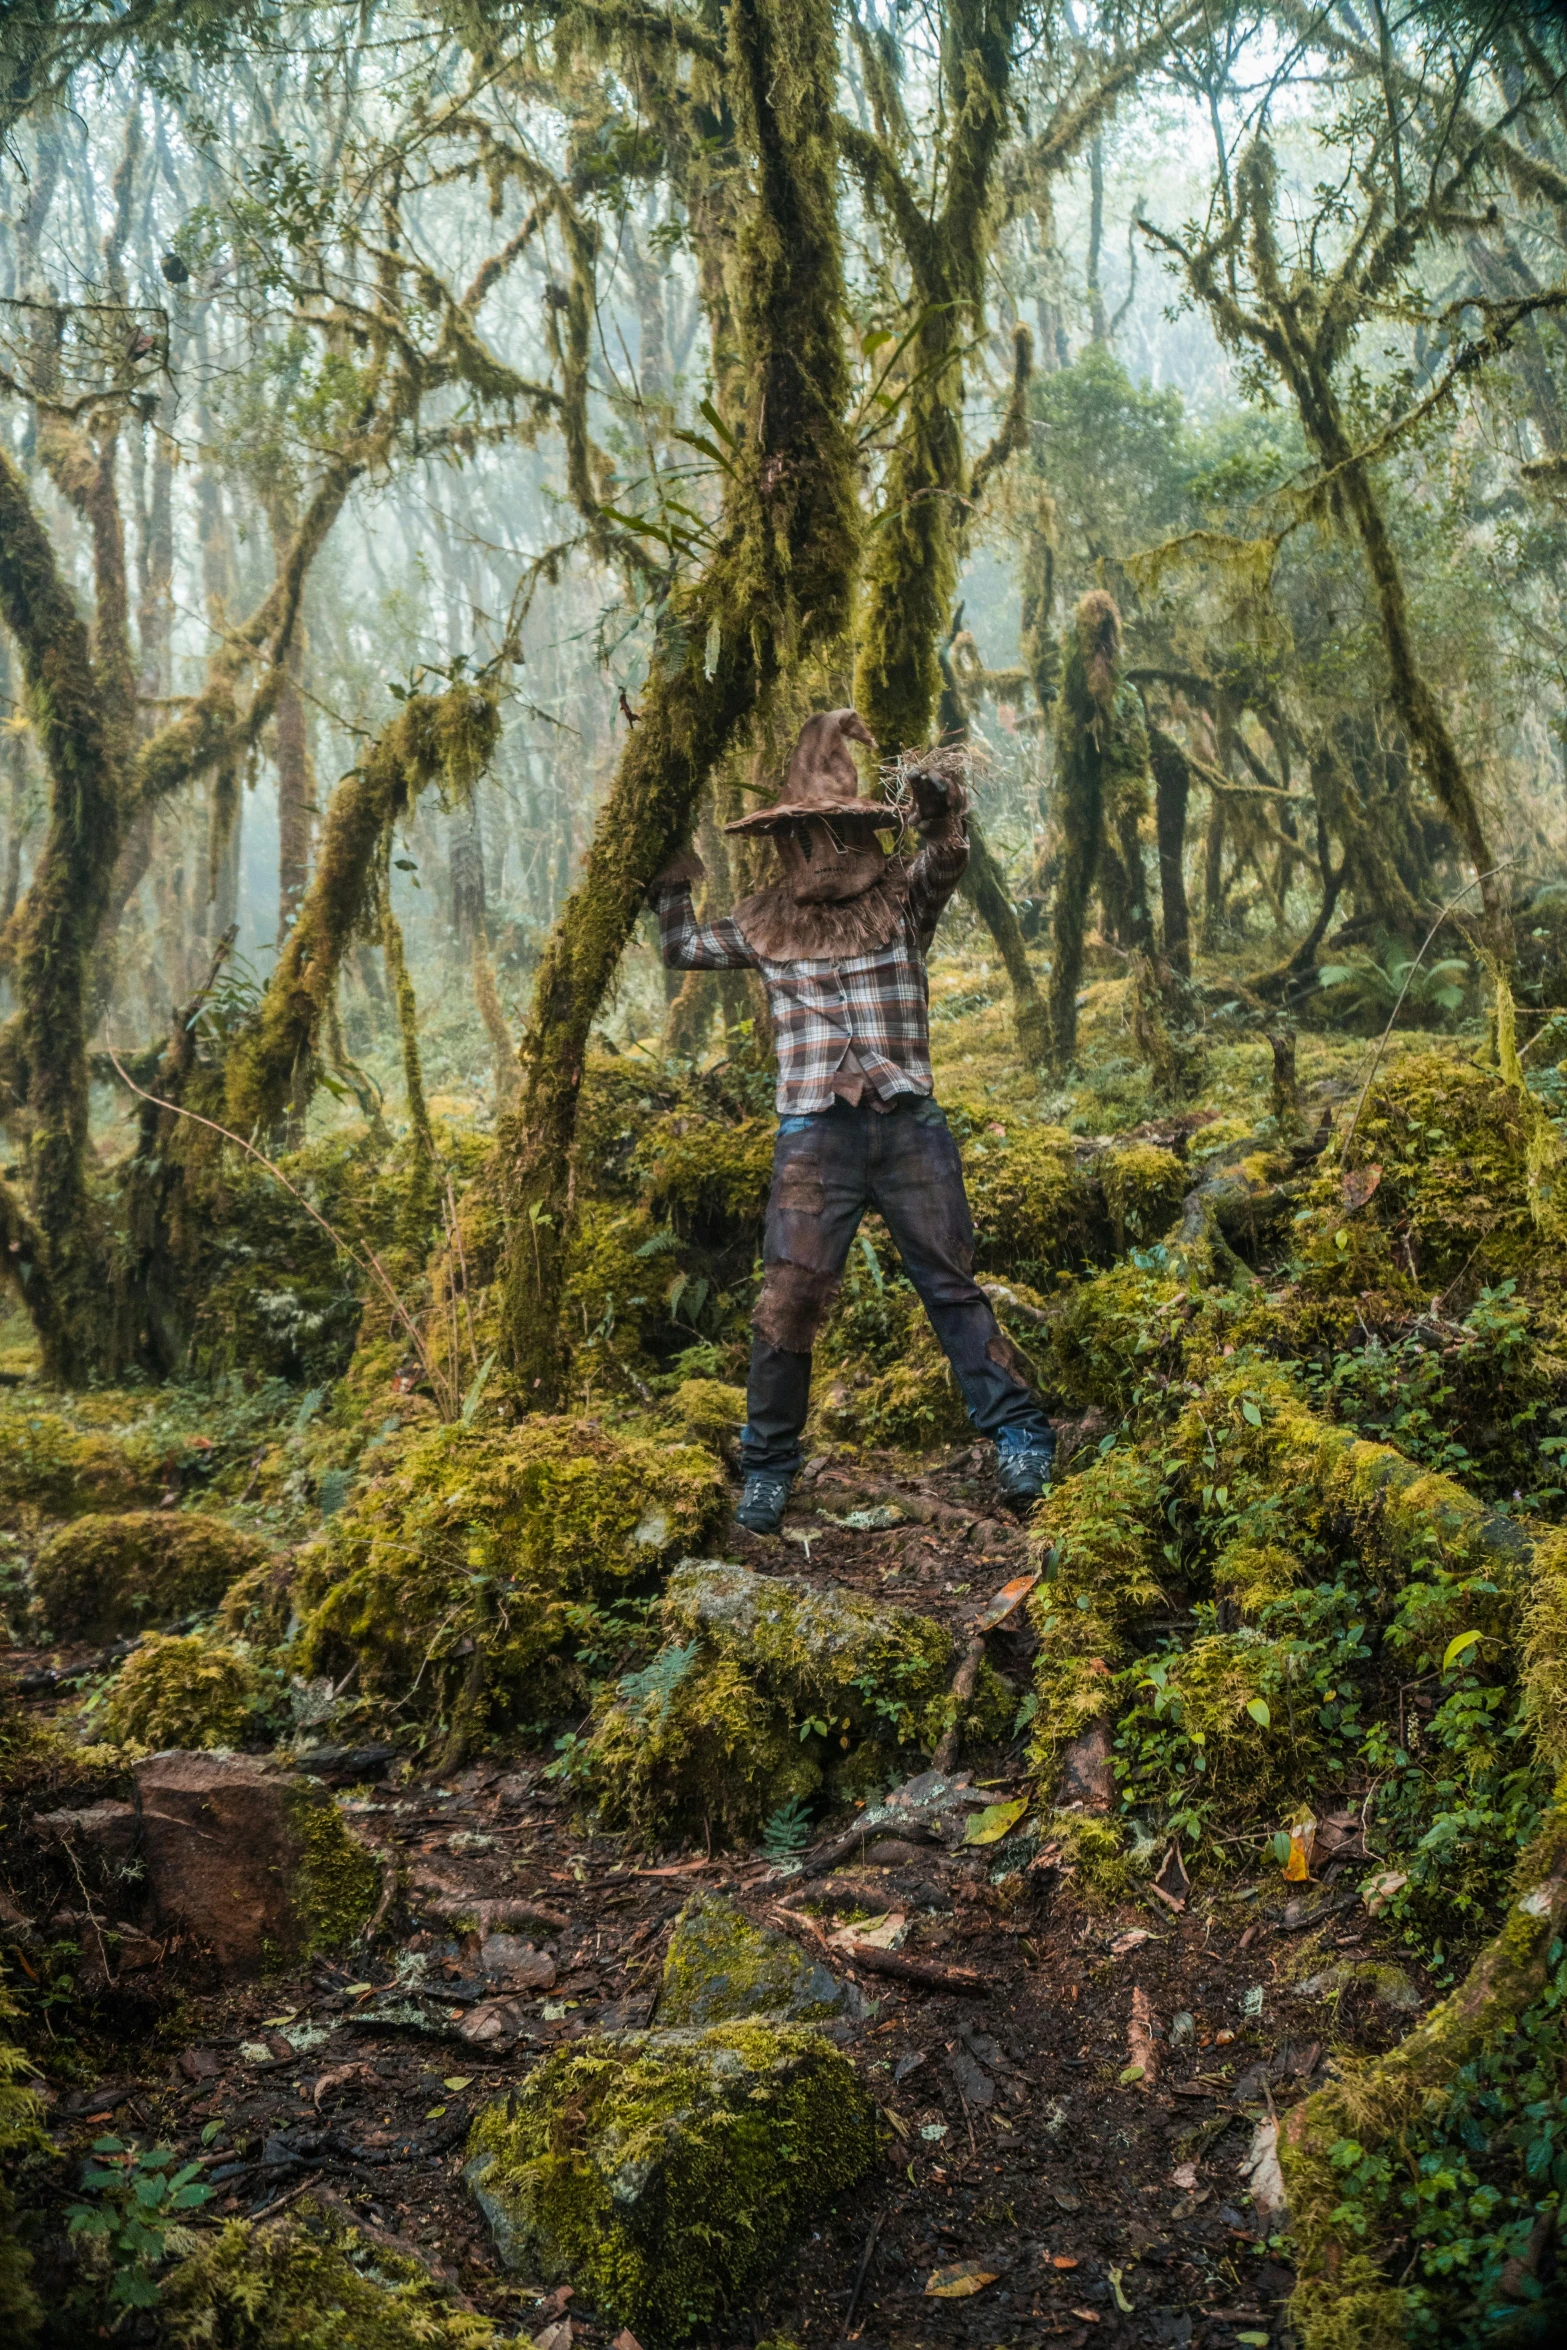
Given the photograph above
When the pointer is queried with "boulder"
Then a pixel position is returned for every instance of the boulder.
(253, 1863)
(721, 1966)
(666, 2174)
(106, 1575)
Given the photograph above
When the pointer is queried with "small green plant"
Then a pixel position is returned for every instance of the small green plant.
(135, 2207)
(786, 1831)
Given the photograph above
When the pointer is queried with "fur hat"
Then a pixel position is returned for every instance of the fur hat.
(822, 780)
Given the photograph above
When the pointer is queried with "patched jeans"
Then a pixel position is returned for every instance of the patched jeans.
(828, 1168)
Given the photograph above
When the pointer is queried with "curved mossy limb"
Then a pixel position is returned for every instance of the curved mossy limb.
(668, 2173)
(101, 1575)
(1349, 2296)
(770, 1690)
(721, 1967)
(307, 2282)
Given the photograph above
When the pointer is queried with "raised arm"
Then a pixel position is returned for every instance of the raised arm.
(689, 945)
(940, 809)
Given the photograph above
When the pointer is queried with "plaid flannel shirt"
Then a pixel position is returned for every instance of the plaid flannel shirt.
(876, 1006)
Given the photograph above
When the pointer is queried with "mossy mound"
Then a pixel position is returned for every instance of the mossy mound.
(769, 1691)
(668, 2173)
(707, 1172)
(308, 2283)
(708, 1411)
(1144, 1185)
(721, 1967)
(618, 1274)
(913, 1402)
(101, 1576)
(192, 1693)
(1034, 1211)
(21, 2138)
(49, 1465)
(451, 1575)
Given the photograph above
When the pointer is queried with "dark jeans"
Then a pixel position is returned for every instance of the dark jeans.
(828, 1168)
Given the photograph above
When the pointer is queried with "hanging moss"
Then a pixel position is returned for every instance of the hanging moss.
(191, 1692)
(769, 1690)
(105, 1575)
(668, 2173)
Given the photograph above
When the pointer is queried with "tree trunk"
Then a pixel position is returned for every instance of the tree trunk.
(1088, 686)
(777, 588)
(1172, 790)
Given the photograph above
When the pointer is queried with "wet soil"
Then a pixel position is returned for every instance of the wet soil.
(1098, 2209)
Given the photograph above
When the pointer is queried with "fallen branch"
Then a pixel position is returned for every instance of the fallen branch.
(923, 1971)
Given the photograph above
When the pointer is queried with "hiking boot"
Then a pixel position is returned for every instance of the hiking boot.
(764, 1500)
(1024, 1475)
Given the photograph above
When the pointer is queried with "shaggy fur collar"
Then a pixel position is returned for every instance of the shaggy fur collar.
(774, 927)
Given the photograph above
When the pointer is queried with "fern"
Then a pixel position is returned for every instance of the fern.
(786, 1831)
(650, 1690)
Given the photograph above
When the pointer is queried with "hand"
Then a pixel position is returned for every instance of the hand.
(686, 866)
(935, 797)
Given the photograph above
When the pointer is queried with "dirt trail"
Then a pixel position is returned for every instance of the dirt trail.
(1095, 2207)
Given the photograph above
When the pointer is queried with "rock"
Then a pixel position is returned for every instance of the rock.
(108, 1830)
(252, 1862)
(525, 1968)
(345, 1766)
(721, 1966)
(1088, 1772)
(1261, 2166)
(103, 1575)
(666, 2174)
(896, 1852)
(495, 2023)
(1388, 1985)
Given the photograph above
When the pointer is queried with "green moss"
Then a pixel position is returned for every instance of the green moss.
(707, 1170)
(1034, 1211)
(106, 1575)
(448, 1578)
(613, 1299)
(708, 1411)
(22, 2139)
(667, 2174)
(720, 1966)
(47, 1463)
(1144, 1186)
(336, 1882)
(769, 1690)
(258, 1607)
(1100, 1538)
(193, 1692)
(913, 1402)
(1094, 1849)
(307, 2282)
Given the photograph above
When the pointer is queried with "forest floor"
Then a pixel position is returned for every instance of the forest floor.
(1097, 2210)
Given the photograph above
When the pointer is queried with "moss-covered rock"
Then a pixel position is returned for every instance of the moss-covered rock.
(192, 1693)
(770, 1690)
(105, 1575)
(307, 2282)
(721, 1967)
(1144, 1185)
(1034, 1210)
(49, 1464)
(707, 1171)
(708, 1411)
(22, 2137)
(667, 2173)
(449, 1577)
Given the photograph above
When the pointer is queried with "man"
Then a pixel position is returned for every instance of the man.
(841, 939)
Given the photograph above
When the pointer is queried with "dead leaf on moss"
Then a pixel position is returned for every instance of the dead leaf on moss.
(1359, 1184)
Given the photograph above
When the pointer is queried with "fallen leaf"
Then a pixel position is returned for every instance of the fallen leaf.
(1065, 2200)
(1377, 1891)
(555, 2337)
(1133, 1939)
(1115, 2275)
(435, 2113)
(962, 2278)
(994, 1822)
(338, 2078)
(1261, 2166)
(883, 1933)
(1063, 2260)
(1184, 2175)
(1358, 1185)
(457, 2081)
(996, 1610)
(1089, 2317)
(1302, 1828)
(625, 2340)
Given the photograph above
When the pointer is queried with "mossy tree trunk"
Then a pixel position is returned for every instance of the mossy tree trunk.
(777, 588)
(1172, 791)
(1083, 713)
